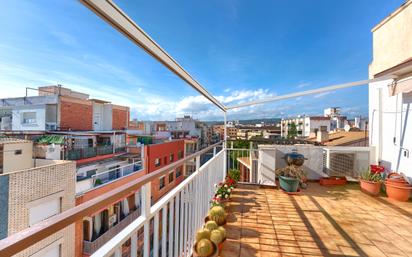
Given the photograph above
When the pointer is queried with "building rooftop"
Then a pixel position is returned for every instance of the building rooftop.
(11, 140)
(391, 15)
(343, 138)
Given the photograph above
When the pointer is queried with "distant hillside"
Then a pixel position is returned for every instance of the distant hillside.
(248, 122)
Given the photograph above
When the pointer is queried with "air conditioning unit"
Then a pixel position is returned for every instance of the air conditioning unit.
(51, 126)
(5, 123)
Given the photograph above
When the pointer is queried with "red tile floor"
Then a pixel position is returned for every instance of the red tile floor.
(322, 221)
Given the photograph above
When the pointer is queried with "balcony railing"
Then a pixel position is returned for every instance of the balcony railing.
(179, 213)
(89, 152)
(91, 247)
(86, 183)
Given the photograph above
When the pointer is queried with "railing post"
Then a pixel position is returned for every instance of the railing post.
(251, 180)
(133, 247)
(146, 202)
(118, 252)
(142, 157)
(225, 146)
(197, 163)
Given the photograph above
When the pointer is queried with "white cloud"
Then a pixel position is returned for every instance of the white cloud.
(65, 38)
(303, 84)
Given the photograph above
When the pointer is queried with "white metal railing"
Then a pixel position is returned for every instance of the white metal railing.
(116, 173)
(244, 160)
(85, 184)
(179, 213)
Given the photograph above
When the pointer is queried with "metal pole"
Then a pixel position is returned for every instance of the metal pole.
(312, 91)
(114, 142)
(224, 143)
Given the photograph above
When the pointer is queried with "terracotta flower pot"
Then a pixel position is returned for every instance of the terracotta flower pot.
(396, 179)
(370, 187)
(399, 193)
(332, 181)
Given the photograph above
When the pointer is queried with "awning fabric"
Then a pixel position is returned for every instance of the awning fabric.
(51, 139)
(401, 86)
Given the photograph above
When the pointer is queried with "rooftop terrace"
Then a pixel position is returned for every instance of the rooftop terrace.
(322, 221)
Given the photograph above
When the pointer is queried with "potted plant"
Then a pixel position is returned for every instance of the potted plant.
(216, 202)
(223, 192)
(218, 236)
(205, 248)
(217, 214)
(234, 174)
(211, 225)
(98, 182)
(370, 182)
(397, 188)
(208, 241)
(291, 177)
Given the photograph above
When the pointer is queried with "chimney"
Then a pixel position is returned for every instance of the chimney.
(322, 136)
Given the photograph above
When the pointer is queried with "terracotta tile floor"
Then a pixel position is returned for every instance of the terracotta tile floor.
(322, 221)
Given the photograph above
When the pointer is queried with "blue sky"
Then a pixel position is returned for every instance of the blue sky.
(238, 50)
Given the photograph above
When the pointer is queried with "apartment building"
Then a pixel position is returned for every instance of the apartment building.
(192, 145)
(32, 190)
(160, 155)
(69, 125)
(390, 100)
(248, 132)
(95, 230)
(59, 108)
(305, 125)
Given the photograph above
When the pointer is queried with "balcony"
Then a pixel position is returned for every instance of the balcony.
(90, 152)
(263, 221)
(91, 247)
(87, 183)
(323, 221)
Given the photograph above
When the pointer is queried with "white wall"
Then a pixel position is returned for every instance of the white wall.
(14, 161)
(390, 129)
(53, 152)
(17, 118)
(108, 117)
(97, 116)
(315, 124)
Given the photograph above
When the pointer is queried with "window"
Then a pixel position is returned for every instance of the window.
(43, 209)
(28, 118)
(90, 173)
(161, 182)
(17, 152)
(157, 162)
(180, 155)
(171, 177)
(52, 250)
(171, 157)
(178, 172)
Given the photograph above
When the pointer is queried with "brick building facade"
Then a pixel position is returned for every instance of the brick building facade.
(160, 155)
(121, 117)
(33, 195)
(75, 114)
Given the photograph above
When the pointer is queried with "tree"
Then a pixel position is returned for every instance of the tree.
(292, 132)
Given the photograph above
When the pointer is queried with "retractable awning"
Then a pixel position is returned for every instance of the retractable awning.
(117, 18)
(401, 86)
